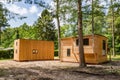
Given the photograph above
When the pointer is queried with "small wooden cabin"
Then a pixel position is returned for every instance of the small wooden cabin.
(25, 50)
(95, 51)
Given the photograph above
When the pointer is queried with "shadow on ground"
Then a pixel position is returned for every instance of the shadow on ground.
(73, 73)
(106, 71)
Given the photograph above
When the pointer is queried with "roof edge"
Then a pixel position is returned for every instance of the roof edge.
(84, 36)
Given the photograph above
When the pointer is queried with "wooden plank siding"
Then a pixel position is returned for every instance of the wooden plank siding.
(91, 56)
(33, 50)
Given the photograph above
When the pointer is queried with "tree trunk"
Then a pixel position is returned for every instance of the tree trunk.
(113, 37)
(58, 24)
(93, 25)
(0, 36)
(80, 33)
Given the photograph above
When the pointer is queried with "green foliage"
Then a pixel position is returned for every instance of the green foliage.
(117, 57)
(3, 18)
(116, 10)
(99, 17)
(68, 15)
(102, 19)
(9, 34)
(117, 44)
(45, 28)
(56, 53)
(68, 30)
(26, 32)
(30, 32)
(6, 54)
(8, 37)
(55, 45)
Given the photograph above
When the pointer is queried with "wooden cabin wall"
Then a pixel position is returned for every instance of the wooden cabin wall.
(71, 43)
(91, 56)
(68, 44)
(24, 48)
(88, 50)
(35, 50)
(98, 49)
(16, 49)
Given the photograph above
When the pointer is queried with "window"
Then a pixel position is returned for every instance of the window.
(68, 52)
(86, 41)
(16, 51)
(34, 51)
(16, 43)
(77, 42)
(103, 47)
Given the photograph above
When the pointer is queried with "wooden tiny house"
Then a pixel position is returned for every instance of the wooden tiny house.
(95, 51)
(33, 50)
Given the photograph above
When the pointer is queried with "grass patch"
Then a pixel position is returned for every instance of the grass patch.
(117, 57)
(56, 57)
(114, 58)
(5, 59)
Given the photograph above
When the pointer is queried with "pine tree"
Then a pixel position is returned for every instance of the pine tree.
(81, 50)
(3, 19)
(45, 28)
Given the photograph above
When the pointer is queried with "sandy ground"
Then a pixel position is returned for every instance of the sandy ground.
(56, 70)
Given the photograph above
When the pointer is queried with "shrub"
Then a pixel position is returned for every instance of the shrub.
(56, 53)
(6, 53)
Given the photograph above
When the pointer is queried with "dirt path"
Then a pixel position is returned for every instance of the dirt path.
(56, 70)
(43, 64)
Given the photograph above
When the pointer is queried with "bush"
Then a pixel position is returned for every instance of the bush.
(6, 53)
(56, 53)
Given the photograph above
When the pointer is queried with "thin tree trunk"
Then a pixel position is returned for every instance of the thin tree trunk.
(80, 33)
(113, 37)
(58, 24)
(93, 25)
(0, 36)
